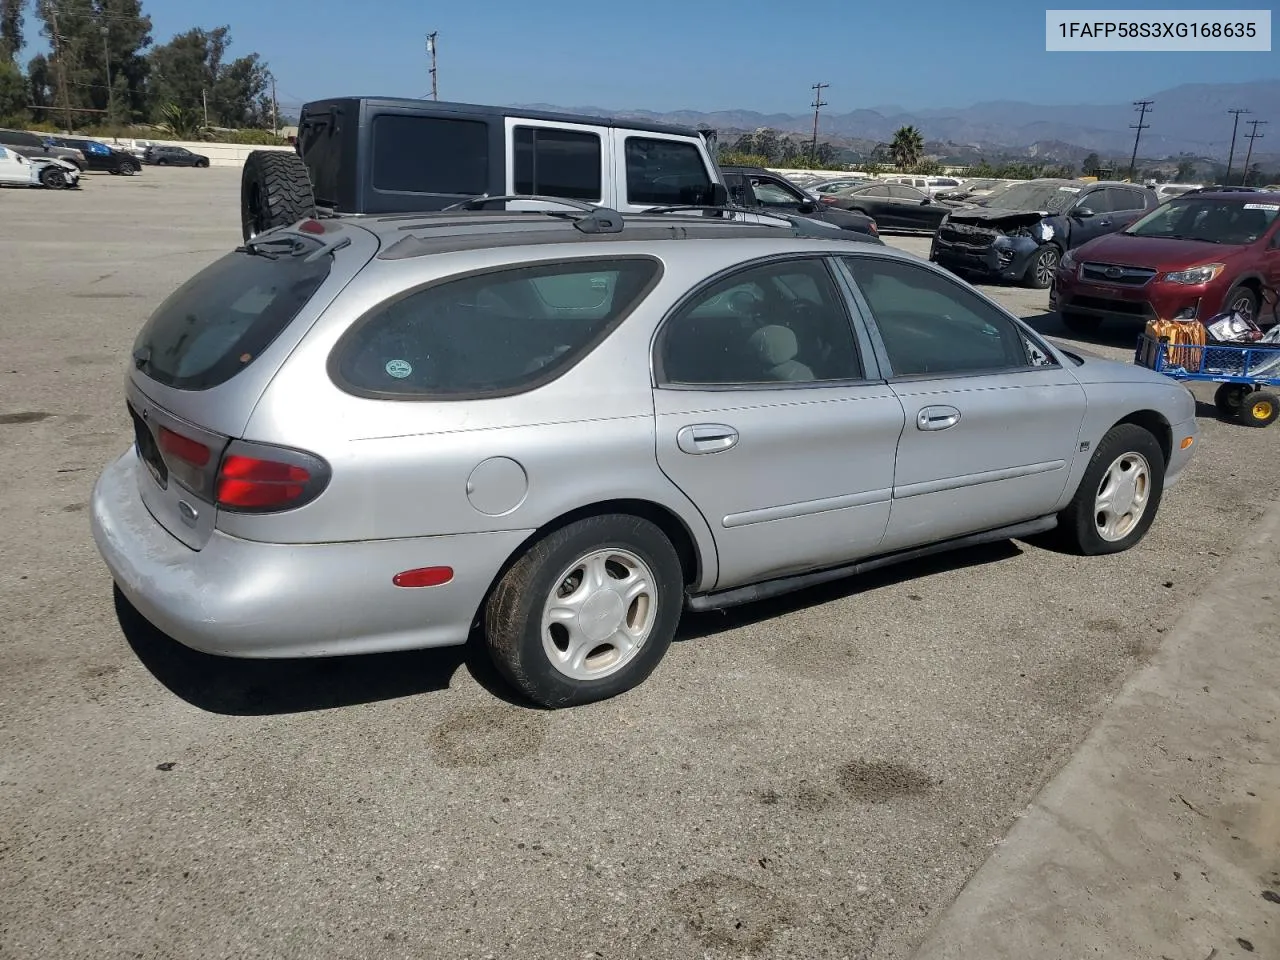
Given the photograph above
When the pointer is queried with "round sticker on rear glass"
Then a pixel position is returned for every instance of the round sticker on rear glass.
(399, 368)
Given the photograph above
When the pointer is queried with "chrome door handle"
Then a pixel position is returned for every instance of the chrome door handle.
(937, 418)
(706, 438)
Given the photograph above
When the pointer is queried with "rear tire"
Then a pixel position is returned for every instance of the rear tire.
(1259, 409)
(1118, 496)
(587, 612)
(1081, 323)
(275, 190)
(1229, 398)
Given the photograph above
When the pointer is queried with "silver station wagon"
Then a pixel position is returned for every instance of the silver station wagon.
(365, 434)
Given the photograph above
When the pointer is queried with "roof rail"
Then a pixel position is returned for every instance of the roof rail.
(594, 218)
(810, 225)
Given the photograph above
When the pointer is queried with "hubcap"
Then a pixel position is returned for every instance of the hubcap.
(1046, 264)
(1122, 496)
(599, 614)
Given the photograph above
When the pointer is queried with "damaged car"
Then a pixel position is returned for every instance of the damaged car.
(1021, 232)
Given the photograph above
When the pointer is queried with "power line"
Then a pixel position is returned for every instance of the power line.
(818, 104)
(1251, 136)
(1137, 129)
(1234, 127)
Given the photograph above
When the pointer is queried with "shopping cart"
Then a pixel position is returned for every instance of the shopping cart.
(1244, 373)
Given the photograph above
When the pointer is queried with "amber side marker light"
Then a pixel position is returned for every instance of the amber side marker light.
(423, 577)
(1187, 441)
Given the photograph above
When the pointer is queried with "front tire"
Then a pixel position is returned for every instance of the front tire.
(54, 179)
(1043, 265)
(587, 612)
(1118, 496)
(1243, 301)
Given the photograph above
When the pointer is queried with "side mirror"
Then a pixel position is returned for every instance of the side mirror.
(1083, 213)
(806, 207)
(926, 200)
(719, 195)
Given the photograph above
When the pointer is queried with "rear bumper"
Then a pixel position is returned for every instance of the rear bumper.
(241, 598)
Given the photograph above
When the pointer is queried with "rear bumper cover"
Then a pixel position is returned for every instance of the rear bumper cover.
(241, 598)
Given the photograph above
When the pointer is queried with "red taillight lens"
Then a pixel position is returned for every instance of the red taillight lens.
(184, 448)
(828, 199)
(251, 483)
(873, 228)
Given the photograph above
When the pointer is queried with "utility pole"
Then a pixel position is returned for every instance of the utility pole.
(204, 100)
(1251, 136)
(818, 104)
(275, 127)
(431, 52)
(59, 53)
(1138, 127)
(111, 97)
(1232, 156)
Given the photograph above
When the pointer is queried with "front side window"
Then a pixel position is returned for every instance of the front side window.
(429, 155)
(493, 333)
(932, 326)
(665, 172)
(781, 322)
(557, 163)
(770, 194)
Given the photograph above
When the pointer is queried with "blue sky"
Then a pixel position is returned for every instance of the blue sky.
(694, 54)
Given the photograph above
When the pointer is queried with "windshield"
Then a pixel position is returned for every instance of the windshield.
(1210, 221)
(1052, 195)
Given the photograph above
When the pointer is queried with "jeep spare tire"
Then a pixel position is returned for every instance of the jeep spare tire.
(275, 190)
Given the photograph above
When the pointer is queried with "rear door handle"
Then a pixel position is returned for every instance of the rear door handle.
(937, 418)
(706, 438)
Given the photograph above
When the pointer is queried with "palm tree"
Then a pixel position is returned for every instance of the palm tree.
(907, 147)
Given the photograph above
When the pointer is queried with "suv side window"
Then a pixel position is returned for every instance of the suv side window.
(557, 163)
(1127, 199)
(770, 193)
(499, 332)
(1096, 200)
(779, 322)
(932, 326)
(663, 172)
(429, 155)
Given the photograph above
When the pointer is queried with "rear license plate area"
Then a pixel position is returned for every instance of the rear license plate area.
(148, 450)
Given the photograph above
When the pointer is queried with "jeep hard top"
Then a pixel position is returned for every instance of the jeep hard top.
(381, 155)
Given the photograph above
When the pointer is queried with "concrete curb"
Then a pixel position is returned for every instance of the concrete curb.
(1161, 834)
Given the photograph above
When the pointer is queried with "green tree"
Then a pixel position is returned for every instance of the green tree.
(13, 94)
(907, 147)
(10, 29)
(1186, 170)
(191, 72)
(1091, 165)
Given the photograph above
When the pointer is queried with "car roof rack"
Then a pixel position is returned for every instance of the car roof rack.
(591, 218)
(813, 226)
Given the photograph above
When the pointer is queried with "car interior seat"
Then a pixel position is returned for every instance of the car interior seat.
(776, 348)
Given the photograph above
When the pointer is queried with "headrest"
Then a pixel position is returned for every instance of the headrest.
(774, 344)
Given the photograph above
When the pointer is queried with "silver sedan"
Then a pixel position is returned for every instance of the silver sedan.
(361, 434)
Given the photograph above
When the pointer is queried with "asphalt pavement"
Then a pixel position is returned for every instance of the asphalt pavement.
(812, 777)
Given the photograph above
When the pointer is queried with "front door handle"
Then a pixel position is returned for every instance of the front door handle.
(937, 418)
(706, 438)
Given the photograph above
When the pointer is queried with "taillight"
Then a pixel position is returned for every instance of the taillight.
(875, 231)
(184, 448)
(828, 199)
(255, 478)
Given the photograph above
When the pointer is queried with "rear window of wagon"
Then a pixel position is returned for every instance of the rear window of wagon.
(220, 321)
(490, 334)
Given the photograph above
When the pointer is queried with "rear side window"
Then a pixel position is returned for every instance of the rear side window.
(663, 172)
(430, 155)
(219, 321)
(557, 163)
(493, 333)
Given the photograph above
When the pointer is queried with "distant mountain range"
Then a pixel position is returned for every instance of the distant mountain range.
(1188, 119)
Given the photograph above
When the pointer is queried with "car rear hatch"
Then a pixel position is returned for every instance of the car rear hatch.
(204, 358)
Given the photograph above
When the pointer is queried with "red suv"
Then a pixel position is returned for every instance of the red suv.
(1191, 258)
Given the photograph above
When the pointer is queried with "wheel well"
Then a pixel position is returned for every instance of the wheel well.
(661, 517)
(1155, 425)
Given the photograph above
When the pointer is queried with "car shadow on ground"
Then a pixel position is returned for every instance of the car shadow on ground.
(236, 687)
(1118, 334)
(693, 626)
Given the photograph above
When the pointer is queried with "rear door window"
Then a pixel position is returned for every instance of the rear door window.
(220, 321)
(661, 172)
(500, 332)
(551, 162)
(430, 155)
